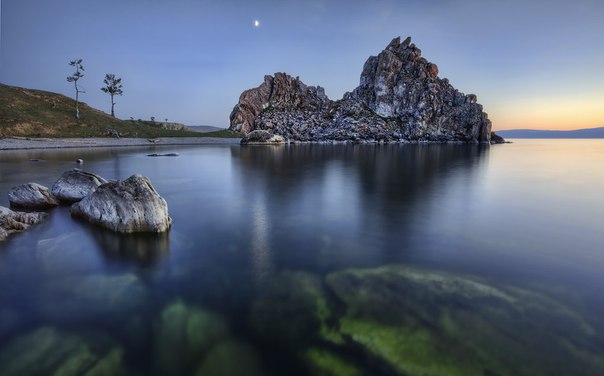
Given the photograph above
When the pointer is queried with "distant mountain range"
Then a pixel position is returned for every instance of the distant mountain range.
(535, 133)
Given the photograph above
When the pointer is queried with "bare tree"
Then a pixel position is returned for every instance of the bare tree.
(74, 78)
(113, 86)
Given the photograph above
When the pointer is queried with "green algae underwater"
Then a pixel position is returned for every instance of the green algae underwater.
(310, 260)
(391, 320)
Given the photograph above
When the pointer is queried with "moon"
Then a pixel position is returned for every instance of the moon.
(256, 23)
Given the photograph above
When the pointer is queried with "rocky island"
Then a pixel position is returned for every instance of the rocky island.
(400, 98)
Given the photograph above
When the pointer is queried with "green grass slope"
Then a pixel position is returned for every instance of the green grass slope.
(37, 113)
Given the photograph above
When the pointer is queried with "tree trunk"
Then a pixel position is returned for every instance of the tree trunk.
(75, 83)
(112, 103)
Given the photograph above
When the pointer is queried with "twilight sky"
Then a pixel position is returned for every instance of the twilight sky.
(533, 64)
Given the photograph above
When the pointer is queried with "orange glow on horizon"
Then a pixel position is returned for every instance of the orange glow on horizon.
(549, 114)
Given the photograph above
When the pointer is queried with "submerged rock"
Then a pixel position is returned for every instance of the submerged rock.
(130, 205)
(293, 310)
(31, 196)
(47, 351)
(92, 296)
(183, 336)
(14, 221)
(230, 358)
(76, 184)
(261, 137)
(400, 98)
(427, 323)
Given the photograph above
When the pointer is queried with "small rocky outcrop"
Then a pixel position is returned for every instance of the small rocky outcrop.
(497, 139)
(76, 184)
(31, 196)
(400, 98)
(14, 221)
(126, 206)
(261, 137)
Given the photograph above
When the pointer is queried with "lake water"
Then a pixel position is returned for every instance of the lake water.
(318, 259)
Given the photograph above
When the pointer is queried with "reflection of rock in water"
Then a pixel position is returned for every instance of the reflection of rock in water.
(142, 248)
(47, 351)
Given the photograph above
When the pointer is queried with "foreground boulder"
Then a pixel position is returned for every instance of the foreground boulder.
(126, 206)
(31, 196)
(400, 98)
(12, 221)
(76, 184)
(261, 137)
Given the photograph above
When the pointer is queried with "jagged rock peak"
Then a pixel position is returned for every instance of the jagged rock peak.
(399, 98)
(279, 92)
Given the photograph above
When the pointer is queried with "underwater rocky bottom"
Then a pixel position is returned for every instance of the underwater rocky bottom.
(390, 320)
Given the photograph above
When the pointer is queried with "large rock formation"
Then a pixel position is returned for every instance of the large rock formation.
(13, 221)
(131, 205)
(400, 98)
(76, 184)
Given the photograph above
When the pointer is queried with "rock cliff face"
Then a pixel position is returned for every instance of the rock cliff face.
(400, 98)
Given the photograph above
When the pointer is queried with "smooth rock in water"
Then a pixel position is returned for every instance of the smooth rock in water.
(76, 184)
(31, 196)
(163, 155)
(399, 98)
(261, 137)
(79, 161)
(14, 221)
(48, 351)
(126, 206)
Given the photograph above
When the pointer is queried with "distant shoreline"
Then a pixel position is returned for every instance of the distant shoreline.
(23, 143)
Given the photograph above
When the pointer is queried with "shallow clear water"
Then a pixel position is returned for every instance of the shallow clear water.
(318, 259)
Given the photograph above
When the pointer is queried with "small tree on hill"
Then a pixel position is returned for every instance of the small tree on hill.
(113, 86)
(74, 78)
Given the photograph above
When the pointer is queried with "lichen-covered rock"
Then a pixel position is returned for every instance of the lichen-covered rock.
(261, 137)
(126, 206)
(76, 184)
(31, 196)
(47, 351)
(14, 221)
(400, 98)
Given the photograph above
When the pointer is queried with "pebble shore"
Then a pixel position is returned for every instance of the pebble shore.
(20, 143)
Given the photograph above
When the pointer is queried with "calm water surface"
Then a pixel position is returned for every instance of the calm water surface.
(318, 259)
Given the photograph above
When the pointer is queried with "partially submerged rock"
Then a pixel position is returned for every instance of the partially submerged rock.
(76, 184)
(126, 206)
(14, 221)
(261, 137)
(31, 196)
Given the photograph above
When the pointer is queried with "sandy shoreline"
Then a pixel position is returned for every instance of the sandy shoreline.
(19, 143)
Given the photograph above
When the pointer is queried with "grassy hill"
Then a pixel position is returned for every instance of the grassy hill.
(37, 113)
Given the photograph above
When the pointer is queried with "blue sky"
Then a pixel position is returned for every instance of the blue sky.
(534, 64)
